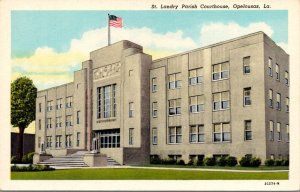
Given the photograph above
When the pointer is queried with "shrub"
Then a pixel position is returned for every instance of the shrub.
(30, 157)
(169, 161)
(24, 159)
(14, 160)
(286, 162)
(278, 162)
(269, 162)
(231, 161)
(31, 168)
(209, 161)
(245, 161)
(199, 162)
(155, 160)
(191, 162)
(221, 161)
(180, 162)
(255, 162)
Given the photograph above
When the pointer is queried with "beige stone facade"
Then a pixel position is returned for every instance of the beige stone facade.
(210, 101)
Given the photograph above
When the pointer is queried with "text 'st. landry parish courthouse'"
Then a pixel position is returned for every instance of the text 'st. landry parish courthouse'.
(229, 98)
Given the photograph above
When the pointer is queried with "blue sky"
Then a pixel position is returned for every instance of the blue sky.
(33, 29)
(48, 46)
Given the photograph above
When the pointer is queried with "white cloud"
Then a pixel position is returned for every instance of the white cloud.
(215, 32)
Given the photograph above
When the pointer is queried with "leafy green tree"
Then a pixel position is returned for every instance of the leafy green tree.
(23, 96)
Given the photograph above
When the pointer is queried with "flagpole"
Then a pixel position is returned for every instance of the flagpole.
(108, 31)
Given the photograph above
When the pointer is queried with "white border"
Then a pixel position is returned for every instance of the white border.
(5, 51)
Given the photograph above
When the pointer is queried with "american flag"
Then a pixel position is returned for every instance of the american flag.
(115, 21)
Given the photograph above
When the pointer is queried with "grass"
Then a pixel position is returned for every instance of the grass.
(219, 167)
(145, 174)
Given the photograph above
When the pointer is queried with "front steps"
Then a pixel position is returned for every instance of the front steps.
(74, 160)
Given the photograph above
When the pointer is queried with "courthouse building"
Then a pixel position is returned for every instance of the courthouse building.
(229, 98)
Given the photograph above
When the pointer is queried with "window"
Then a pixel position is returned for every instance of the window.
(195, 76)
(131, 108)
(174, 106)
(68, 140)
(39, 142)
(277, 72)
(175, 157)
(40, 107)
(287, 105)
(287, 133)
(131, 136)
(196, 133)
(109, 138)
(247, 96)
(246, 63)
(69, 101)
(69, 120)
(175, 135)
(270, 65)
(279, 131)
(270, 98)
(59, 103)
(220, 71)
(278, 101)
(154, 109)
(49, 141)
(58, 141)
(40, 124)
(154, 84)
(49, 105)
(130, 73)
(248, 130)
(220, 101)
(154, 136)
(49, 125)
(196, 103)
(272, 156)
(174, 81)
(286, 77)
(77, 139)
(58, 121)
(106, 101)
(78, 117)
(271, 126)
(221, 132)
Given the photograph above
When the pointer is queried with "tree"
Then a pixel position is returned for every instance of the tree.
(23, 96)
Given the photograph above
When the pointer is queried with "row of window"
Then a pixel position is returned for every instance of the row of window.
(278, 101)
(106, 101)
(219, 72)
(58, 121)
(279, 131)
(59, 104)
(277, 71)
(58, 141)
(221, 133)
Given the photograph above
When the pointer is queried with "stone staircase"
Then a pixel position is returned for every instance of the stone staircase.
(74, 160)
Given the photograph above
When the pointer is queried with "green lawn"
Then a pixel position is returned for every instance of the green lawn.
(262, 167)
(145, 174)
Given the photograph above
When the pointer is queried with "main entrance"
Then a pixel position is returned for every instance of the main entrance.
(108, 138)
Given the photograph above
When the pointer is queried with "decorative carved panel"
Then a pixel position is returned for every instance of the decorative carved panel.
(107, 71)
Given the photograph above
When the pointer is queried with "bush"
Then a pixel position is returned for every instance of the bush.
(169, 161)
(245, 161)
(231, 161)
(180, 162)
(14, 160)
(269, 162)
(255, 162)
(28, 158)
(209, 161)
(199, 162)
(286, 162)
(221, 161)
(155, 160)
(278, 162)
(191, 162)
(31, 168)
